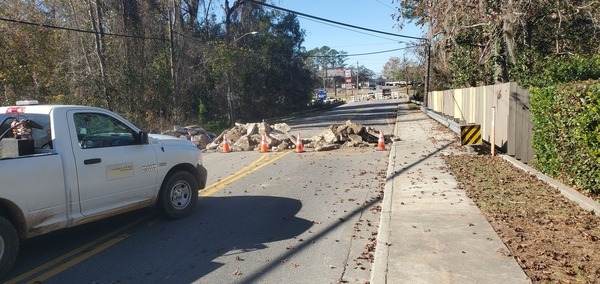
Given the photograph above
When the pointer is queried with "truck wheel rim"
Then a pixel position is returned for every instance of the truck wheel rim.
(181, 195)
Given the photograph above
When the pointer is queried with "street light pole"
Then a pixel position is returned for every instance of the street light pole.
(250, 33)
(229, 75)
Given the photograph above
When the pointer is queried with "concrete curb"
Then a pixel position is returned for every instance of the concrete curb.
(583, 201)
(380, 265)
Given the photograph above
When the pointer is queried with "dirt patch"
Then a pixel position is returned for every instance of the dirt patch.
(552, 238)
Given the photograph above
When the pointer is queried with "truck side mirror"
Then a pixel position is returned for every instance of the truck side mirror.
(143, 137)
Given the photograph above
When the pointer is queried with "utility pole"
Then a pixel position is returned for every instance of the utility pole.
(428, 58)
(172, 61)
(428, 67)
(357, 71)
(324, 73)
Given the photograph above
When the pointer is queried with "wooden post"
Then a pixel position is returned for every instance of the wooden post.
(493, 136)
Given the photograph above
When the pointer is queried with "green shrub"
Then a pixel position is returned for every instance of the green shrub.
(418, 94)
(566, 134)
(564, 69)
(217, 126)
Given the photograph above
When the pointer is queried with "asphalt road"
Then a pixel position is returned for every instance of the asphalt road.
(279, 217)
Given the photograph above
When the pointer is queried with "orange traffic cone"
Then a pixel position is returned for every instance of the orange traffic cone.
(381, 142)
(299, 146)
(225, 147)
(264, 147)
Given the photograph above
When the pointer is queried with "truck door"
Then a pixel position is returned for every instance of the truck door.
(113, 169)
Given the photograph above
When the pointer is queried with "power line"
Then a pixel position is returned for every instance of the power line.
(333, 22)
(78, 30)
(345, 28)
(306, 16)
(94, 32)
(309, 17)
(360, 54)
(385, 5)
(371, 44)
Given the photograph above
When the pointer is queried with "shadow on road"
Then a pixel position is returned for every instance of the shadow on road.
(181, 251)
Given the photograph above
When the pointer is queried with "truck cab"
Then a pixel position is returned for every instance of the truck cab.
(63, 166)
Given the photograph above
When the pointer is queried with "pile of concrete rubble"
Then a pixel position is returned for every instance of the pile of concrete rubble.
(195, 133)
(248, 137)
(349, 134)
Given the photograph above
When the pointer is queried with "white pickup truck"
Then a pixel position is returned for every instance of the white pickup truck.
(63, 166)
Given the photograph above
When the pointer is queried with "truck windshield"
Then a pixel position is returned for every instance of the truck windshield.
(42, 138)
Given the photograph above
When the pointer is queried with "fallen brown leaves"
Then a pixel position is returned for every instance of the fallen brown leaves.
(553, 239)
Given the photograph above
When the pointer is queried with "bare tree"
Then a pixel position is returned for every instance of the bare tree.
(501, 34)
(97, 21)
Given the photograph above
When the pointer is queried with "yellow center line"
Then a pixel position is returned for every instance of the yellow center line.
(75, 251)
(242, 173)
(239, 172)
(79, 259)
(261, 162)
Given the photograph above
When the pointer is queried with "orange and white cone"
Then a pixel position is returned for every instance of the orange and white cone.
(381, 142)
(264, 147)
(225, 148)
(299, 146)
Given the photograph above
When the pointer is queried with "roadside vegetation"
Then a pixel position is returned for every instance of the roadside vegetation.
(157, 63)
(566, 133)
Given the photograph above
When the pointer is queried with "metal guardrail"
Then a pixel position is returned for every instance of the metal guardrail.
(448, 122)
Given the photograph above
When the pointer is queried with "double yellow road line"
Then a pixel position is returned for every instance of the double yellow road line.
(264, 160)
(102, 243)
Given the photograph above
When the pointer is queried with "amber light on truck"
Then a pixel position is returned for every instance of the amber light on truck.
(15, 110)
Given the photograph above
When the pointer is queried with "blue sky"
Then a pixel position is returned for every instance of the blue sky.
(371, 14)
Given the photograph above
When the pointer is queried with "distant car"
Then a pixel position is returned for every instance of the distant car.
(315, 102)
(373, 87)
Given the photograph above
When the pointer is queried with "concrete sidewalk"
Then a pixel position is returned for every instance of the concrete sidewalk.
(430, 231)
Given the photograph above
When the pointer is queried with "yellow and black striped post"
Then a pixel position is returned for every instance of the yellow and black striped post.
(470, 134)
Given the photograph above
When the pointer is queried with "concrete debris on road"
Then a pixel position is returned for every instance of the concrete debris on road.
(195, 133)
(349, 134)
(247, 137)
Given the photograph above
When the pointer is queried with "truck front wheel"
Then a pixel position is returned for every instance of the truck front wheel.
(179, 195)
(9, 245)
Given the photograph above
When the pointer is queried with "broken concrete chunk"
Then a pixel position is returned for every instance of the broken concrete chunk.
(251, 128)
(355, 138)
(264, 127)
(283, 127)
(327, 147)
(279, 135)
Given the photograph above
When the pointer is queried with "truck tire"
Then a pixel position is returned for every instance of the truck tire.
(9, 245)
(178, 195)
